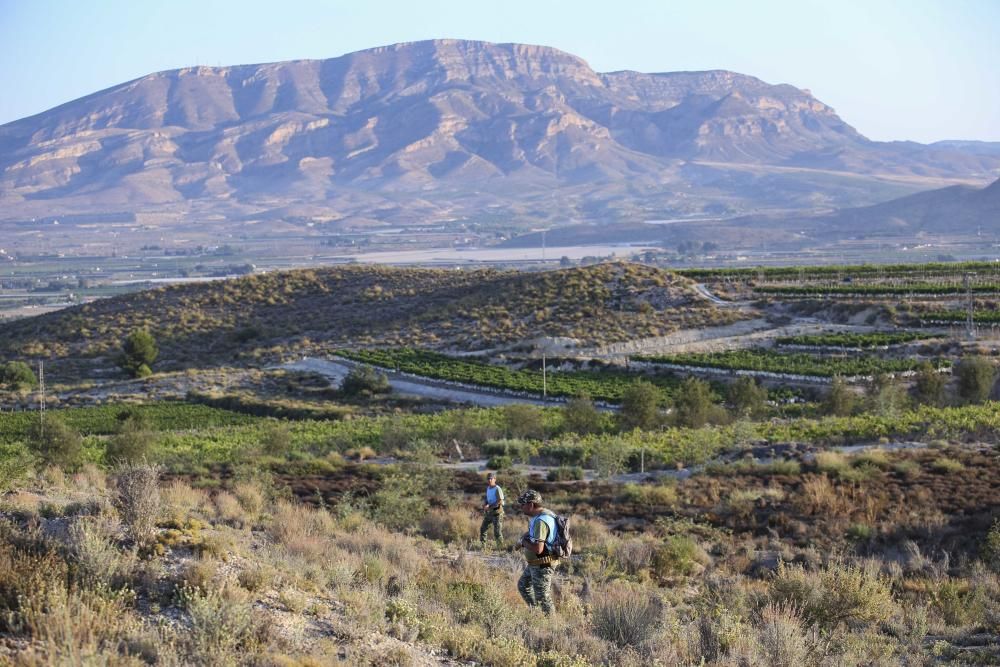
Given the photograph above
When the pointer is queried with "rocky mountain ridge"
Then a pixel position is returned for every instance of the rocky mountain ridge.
(443, 129)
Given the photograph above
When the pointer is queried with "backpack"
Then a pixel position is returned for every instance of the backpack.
(563, 545)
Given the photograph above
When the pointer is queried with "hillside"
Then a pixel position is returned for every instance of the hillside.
(275, 315)
(956, 209)
(445, 130)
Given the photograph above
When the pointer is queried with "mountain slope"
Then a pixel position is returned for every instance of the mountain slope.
(954, 210)
(444, 117)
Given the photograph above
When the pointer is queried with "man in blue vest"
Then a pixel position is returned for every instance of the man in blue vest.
(535, 584)
(492, 511)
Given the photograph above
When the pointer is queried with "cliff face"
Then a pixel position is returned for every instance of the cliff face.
(432, 117)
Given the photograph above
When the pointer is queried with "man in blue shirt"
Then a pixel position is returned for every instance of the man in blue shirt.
(535, 584)
(492, 511)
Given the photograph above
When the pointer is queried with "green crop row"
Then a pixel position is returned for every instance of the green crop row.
(790, 364)
(605, 385)
(854, 340)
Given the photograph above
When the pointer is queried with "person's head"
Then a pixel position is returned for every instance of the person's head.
(491, 479)
(530, 502)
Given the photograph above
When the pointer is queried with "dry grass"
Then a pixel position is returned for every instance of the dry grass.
(274, 594)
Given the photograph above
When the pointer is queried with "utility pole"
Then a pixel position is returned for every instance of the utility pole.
(41, 396)
(970, 315)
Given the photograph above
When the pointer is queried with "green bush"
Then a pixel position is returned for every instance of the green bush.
(976, 376)
(56, 443)
(135, 441)
(365, 381)
(17, 376)
(565, 474)
(501, 462)
(139, 351)
(679, 555)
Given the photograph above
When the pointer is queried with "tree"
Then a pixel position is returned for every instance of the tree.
(580, 416)
(17, 375)
(524, 421)
(640, 407)
(365, 381)
(929, 387)
(138, 353)
(840, 401)
(694, 404)
(56, 443)
(747, 398)
(886, 397)
(976, 375)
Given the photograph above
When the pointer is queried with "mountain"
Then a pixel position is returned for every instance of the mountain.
(450, 130)
(953, 210)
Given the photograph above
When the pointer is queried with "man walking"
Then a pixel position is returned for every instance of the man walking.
(535, 584)
(492, 511)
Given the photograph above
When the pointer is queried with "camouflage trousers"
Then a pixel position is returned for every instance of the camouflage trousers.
(535, 586)
(496, 520)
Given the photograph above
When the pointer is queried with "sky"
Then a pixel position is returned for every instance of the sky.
(921, 70)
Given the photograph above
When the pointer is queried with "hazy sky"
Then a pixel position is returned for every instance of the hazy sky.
(895, 69)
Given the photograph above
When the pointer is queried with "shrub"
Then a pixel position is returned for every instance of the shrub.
(565, 474)
(679, 555)
(782, 638)
(134, 441)
(840, 400)
(627, 618)
(364, 381)
(836, 594)
(500, 462)
(453, 525)
(976, 376)
(831, 462)
(137, 498)
(13, 468)
(17, 376)
(947, 465)
(96, 559)
(749, 399)
(990, 551)
(56, 443)
(276, 440)
(650, 494)
(222, 622)
(784, 467)
(929, 387)
(302, 530)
